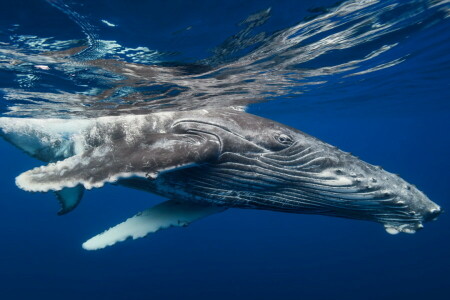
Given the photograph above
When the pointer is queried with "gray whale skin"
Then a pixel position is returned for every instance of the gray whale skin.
(205, 162)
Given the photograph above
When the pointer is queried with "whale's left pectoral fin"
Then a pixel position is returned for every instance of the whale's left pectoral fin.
(164, 215)
(121, 159)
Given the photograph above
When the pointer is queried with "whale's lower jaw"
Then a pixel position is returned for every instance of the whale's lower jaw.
(261, 182)
(191, 187)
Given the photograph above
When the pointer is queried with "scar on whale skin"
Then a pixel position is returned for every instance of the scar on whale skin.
(205, 162)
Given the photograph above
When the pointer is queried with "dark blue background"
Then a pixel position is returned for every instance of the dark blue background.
(240, 254)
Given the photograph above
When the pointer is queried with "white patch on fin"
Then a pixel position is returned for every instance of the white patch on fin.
(164, 215)
(112, 161)
(68, 173)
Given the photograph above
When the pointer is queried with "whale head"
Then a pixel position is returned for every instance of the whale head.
(321, 179)
(276, 167)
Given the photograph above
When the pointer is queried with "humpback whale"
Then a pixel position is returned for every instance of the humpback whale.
(205, 161)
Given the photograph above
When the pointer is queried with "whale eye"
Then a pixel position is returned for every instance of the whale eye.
(284, 139)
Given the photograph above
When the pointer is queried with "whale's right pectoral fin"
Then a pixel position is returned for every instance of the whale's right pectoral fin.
(164, 215)
(121, 159)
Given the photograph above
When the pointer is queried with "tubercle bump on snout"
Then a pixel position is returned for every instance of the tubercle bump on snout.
(431, 215)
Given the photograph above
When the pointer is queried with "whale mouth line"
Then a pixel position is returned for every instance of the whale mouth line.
(217, 126)
(207, 123)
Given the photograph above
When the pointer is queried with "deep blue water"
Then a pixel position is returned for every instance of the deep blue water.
(375, 83)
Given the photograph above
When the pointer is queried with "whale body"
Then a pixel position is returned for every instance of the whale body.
(204, 162)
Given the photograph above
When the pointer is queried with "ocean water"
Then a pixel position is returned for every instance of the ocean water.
(370, 77)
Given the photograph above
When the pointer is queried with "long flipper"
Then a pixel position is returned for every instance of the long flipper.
(122, 159)
(164, 215)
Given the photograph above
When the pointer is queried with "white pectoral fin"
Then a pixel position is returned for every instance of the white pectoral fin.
(110, 162)
(68, 173)
(164, 215)
(83, 170)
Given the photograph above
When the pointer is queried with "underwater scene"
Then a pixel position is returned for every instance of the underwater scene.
(225, 149)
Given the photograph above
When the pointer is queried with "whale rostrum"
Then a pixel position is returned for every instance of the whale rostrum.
(206, 161)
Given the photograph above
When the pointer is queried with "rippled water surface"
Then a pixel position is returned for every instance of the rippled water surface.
(111, 59)
(368, 76)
